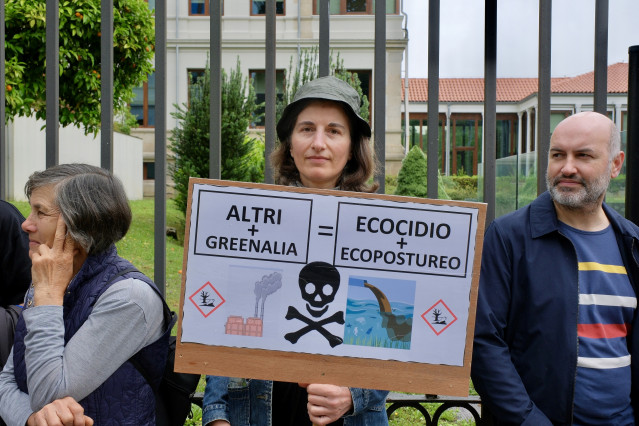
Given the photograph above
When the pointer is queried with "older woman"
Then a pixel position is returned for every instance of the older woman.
(324, 143)
(85, 316)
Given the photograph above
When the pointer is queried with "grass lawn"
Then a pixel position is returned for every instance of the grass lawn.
(137, 247)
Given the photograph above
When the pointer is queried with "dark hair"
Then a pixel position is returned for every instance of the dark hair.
(91, 200)
(358, 170)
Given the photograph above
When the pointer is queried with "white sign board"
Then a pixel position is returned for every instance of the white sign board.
(328, 273)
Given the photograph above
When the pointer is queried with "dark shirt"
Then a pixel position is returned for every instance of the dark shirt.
(289, 405)
(14, 256)
(15, 273)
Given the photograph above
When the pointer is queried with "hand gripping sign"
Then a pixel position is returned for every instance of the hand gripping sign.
(321, 286)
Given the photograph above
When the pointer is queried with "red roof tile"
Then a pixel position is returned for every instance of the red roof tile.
(514, 89)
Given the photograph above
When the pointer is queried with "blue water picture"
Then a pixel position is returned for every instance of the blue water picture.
(379, 312)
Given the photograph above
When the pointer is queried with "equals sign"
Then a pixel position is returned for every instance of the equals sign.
(326, 231)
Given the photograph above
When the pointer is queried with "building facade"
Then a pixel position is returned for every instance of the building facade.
(352, 36)
(461, 147)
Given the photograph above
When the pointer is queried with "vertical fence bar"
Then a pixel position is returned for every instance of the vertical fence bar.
(324, 37)
(160, 147)
(543, 98)
(215, 101)
(52, 82)
(490, 106)
(379, 93)
(269, 75)
(106, 83)
(433, 97)
(4, 163)
(632, 145)
(601, 56)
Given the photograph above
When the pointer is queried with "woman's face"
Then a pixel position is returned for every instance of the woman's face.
(321, 144)
(42, 220)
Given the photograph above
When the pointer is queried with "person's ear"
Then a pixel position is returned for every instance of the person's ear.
(617, 162)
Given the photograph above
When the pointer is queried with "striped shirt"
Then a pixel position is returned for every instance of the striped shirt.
(607, 304)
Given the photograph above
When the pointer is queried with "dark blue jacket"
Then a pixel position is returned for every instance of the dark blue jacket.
(525, 349)
(125, 398)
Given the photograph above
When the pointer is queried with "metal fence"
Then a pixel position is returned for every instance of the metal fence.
(490, 37)
(379, 113)
(468, 407)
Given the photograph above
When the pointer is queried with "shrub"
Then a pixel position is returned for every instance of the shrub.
(190, 139)
(412, 177)
(461, 187)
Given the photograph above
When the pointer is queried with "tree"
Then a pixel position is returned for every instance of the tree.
(307, 69)
(190, 139)
(133, 50)
(413, 176)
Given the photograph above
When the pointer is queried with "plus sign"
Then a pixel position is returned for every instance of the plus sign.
(253, 230)
(401, 243)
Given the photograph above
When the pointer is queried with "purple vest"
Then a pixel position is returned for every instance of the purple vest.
(125, 398)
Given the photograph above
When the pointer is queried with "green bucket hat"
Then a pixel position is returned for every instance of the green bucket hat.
(327, 88)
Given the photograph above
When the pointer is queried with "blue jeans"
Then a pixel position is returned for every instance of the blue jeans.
(245, 402)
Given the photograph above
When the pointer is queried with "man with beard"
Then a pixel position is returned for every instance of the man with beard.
(556, 314)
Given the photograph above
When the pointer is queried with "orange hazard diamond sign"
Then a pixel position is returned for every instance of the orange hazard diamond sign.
(439, 317)
(207, 299)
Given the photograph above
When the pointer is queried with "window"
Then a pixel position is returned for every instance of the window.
(200, 7)
(258, 80)
(258, 7)
(356, 7)
(143, 103)
(193, 75)
(418, 134)
(148, 170)
(465, 143)
(506, 135)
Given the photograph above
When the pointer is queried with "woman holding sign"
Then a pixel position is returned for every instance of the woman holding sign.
(324, 143)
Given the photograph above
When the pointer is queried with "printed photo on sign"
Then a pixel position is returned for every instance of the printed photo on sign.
(379, 312)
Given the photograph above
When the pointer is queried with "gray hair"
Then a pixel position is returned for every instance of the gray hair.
(615, 140)
(91, 200)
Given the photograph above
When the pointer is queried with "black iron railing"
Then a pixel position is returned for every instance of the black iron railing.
(398, 401)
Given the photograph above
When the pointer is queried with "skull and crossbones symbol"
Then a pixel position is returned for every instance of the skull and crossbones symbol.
(319, 282)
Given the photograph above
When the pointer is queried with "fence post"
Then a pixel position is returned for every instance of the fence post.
(53, 83)
(632, 149)
(159, 273)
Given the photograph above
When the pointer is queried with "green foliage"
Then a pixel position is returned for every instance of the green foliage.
(133, 50)
(390, 184)
(412, 177)
(461, 187)
(617, 185)
(238, 105)
(190, 139)
(125, 122)
(255, 161)
(307, 69)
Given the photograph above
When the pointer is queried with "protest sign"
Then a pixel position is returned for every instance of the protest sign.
(320, 286)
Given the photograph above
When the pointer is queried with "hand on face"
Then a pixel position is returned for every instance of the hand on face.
(52, 268)
(327, 403)
(61, 412)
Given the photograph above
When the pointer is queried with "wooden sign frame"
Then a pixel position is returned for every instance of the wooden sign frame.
(345, 371)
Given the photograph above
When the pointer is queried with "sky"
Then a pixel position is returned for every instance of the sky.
(462, 37)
